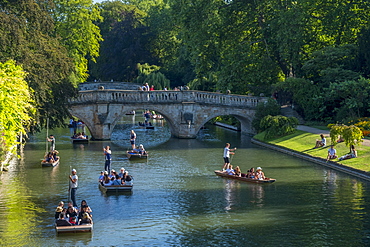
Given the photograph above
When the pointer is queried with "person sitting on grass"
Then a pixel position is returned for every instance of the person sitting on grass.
(320, 143)
(352, 154)
(332, 153)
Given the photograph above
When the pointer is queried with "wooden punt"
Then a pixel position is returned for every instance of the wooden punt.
(74, 229)
(46, 164)
(244, 179)
(131, 155)
(79, 140)
(116, 188)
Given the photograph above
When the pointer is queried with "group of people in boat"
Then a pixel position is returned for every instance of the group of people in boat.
(70, 216)
(79, 135)
(251, 173)
(51, 157)
(139, 150)
(228, 168)
(114, 178)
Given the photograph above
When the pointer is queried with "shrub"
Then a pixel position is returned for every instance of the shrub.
(275, 126)
(271, 107)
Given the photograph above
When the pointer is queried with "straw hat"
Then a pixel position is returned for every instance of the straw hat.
(258, 168)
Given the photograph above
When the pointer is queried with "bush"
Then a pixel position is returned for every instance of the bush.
(276, 126)
(271, 107)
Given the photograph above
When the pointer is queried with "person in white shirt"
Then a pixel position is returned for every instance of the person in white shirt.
(227, 152)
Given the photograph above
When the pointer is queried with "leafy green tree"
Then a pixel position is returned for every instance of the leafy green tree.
(150, 74)
(271, 107)
(352, 135)
(16, 105)
(275, 126)
(75, 24)
(27, 36)
(348, 100)
(336, 131)
(125, 43)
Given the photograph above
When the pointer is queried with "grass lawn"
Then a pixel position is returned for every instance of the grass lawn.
(304, 142)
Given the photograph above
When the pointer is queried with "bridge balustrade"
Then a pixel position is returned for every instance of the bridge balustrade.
(132, 96)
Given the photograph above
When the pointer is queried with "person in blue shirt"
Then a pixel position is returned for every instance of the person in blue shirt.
(108, 158)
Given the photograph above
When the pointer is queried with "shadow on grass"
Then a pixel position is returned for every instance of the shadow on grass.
(310, 150)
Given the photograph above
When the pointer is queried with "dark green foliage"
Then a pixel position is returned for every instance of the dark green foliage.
(151, 75)
(27, 36)
(271, 107)
(276, 126)
(125, 44)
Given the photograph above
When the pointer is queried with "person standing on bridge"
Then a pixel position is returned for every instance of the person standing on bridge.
(133, 139)
(227, 152)
(108, 158)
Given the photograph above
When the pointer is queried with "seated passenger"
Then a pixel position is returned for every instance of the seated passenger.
(55, 155)
(49, 158)
(85, 219)
(141, 149)
(230, 170)
(122, 173)
(352, 154)
(101, 177)
(136, 150)
(116, 181)
(73, 220)
(84, 209)
(251, 174)
(259, 174)
(128, 179)
(107, 182)
(59, 209)
(320, 143)
(61, 221)
(71, 212)
(112, 174)
(84, 205)
(237, 171)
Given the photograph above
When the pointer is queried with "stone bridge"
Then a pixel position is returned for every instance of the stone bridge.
(185, 111)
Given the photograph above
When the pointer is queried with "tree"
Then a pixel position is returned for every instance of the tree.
(75, 24)
(278, 125)
(352, 135)
(271, 107)
(125, 43)
(27, 36)
(16, 105)
(152, 76)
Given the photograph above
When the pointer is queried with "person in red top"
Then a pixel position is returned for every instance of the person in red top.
(152, 88)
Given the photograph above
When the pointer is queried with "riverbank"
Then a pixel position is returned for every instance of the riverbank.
(300, 144)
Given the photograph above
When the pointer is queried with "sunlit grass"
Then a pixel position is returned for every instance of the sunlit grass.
(304, 142)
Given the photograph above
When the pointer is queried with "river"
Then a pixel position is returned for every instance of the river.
(177, 200)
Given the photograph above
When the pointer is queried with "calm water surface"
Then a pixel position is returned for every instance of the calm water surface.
(178, 201)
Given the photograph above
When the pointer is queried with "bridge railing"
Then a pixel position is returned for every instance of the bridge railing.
(133, 96)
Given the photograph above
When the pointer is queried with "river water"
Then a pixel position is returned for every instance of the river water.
(177, 199)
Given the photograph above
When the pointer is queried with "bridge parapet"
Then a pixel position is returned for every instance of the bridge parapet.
(165, 97)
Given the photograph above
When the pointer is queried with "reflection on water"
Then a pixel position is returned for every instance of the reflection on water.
(177, 199)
